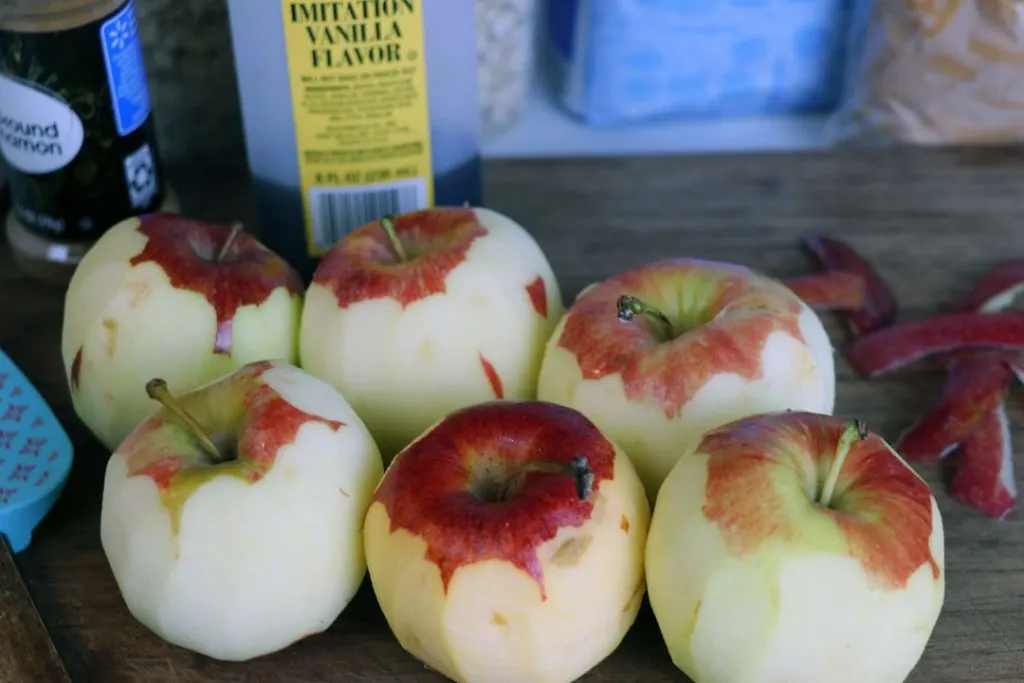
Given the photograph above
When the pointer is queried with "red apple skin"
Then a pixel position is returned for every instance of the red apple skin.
(239, 558)
(877, 491)
(161, 295)
(155, 450)
(605, 346)
(984, 477)
(364, 266)
(418, 493)
(754, 576)
(460, 317)
(187, 249)
(433, 509)
(741, 343)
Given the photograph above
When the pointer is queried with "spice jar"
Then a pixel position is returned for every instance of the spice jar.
(506, 45)
(76, 128)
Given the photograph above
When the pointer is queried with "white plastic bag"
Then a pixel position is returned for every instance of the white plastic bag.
(933, 72)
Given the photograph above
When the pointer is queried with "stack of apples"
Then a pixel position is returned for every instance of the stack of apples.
(511, 474)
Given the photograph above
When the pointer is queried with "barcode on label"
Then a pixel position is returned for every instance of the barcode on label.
(337, 211)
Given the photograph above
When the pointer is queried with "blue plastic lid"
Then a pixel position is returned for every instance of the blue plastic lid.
(35, 456)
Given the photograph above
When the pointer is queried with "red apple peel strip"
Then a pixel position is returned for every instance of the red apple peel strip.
(984, 478)
(833, 290)
(879, 309)
(996, 290)
(897, 346)
(977, 383)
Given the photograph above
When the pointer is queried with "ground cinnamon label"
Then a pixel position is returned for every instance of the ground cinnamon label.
(934, 72)
(76, 129)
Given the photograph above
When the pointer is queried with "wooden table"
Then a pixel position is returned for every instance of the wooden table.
(933, 222)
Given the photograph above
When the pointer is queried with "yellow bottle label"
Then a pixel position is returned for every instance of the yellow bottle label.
(362, 123)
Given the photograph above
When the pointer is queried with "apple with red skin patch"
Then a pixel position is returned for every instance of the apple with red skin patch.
(660, 354)
(232, 517)
(795, 547)
(506, 543)
(416, 316)
(170, 296)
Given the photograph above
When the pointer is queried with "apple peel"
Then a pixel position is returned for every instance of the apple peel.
(782, 529)
(344, 272)
(898, 346)
(170, 244)
(506, 543)
(879, 309)
(996, 290)
(231, 518)
(833, 290)
(419, 314)
(970, 413)
(984, 478)
(977, 383)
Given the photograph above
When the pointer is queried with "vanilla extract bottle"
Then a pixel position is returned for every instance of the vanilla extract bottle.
(355, 110)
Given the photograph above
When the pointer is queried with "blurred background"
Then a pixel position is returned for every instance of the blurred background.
(555, 79)
(613, 77)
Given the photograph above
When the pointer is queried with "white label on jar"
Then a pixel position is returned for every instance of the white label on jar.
(39, 132)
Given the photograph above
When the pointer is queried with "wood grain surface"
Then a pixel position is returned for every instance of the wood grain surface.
(26, 651)
(932, 222)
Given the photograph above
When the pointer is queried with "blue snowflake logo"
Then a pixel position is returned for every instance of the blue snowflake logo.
(122, 32)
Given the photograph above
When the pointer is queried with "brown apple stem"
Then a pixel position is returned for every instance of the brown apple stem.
(236, 229)
(853, 431)
(578, 468)
(628, 307)
(158, 391)
(388, 223)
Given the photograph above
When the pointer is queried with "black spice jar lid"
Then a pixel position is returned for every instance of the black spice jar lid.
(54, 15)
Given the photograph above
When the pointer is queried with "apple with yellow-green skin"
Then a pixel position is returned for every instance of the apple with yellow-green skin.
(506, 544)
(416, 316)
(232, 517)
(795, 547)
(660, 354)
(170, 296)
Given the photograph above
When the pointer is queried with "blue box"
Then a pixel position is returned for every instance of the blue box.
(632, 60)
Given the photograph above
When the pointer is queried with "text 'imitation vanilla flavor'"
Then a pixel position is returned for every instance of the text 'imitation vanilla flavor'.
(353, 111)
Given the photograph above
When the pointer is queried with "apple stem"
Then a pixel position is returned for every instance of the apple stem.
(855, 430)
(158, 391)
(236, 229)
(629, 307)
(388, 223)
(578, 468)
